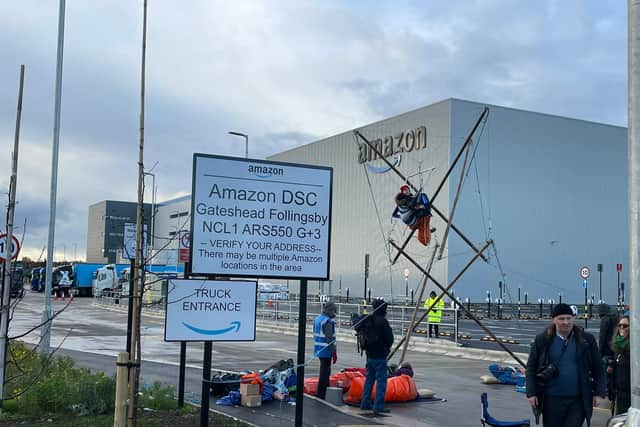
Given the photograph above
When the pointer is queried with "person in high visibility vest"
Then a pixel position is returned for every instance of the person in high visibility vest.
(435, 314)
(324, 345)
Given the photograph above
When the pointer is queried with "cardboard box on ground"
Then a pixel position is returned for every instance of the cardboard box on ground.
(251, 401)
(250, 390)
(250, 395)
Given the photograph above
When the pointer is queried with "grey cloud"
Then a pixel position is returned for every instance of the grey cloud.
(285, 75)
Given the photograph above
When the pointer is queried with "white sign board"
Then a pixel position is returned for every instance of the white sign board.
(585, 272)
(129, 243)
(252, 218)
(210, 310)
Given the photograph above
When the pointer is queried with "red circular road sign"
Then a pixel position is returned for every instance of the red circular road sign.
(185, 240)
(15, 247)
(585, 272)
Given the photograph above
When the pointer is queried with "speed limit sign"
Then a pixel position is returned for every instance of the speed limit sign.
(15, 247)
(585, 272)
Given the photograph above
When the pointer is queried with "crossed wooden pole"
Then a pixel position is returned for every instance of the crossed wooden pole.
(435, 194)
(479, 253)
(445, 291)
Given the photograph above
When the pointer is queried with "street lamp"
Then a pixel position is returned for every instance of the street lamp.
(246, 142)
(153, 211)
(406, 284)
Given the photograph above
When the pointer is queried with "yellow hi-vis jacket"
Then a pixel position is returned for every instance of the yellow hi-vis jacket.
(435, 314)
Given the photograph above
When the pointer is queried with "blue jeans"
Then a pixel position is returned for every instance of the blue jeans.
(376, 371)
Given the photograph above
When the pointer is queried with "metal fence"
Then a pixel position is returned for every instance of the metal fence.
(285, 312)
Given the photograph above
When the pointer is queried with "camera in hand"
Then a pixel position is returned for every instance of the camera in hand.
(548, 372)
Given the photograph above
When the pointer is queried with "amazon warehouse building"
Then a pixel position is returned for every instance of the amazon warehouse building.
(549, 191)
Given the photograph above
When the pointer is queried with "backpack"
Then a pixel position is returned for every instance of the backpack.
(366, 335)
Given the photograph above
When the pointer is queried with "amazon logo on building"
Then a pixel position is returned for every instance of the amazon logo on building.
(392, 146)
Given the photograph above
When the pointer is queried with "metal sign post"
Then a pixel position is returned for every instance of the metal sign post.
(585, 272)
(255, 219)
(599, 268)
(585, 285)
(302, 327)
(206, 386)
(209, 311)
(618, 270)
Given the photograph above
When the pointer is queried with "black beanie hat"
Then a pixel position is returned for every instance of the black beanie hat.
(379, 302)
(561, 309)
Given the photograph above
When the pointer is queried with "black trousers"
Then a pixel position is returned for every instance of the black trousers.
(622, 403)
(562, 412)
(435, 327)
(323, 379)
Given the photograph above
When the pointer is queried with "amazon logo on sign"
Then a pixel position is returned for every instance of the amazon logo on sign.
(392, 145)
(234, 325)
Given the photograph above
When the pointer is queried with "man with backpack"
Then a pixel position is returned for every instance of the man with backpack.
(378, 338)
(324, 345)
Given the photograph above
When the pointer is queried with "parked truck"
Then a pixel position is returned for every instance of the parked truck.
(107, 279)
(116, 278)
(89, 277)
(84, 274)
(62, 279)
(17, 280)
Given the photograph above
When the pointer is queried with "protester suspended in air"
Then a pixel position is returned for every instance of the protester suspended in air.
(415, 211)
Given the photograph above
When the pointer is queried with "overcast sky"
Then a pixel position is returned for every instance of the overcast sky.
(284, 72)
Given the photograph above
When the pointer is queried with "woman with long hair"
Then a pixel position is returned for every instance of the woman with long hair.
(621, 368)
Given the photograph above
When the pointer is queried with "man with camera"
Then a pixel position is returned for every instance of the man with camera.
(565, 377)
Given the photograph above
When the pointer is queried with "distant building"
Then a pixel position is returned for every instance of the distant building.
(172, 216)
(550, 191)
(105, 233)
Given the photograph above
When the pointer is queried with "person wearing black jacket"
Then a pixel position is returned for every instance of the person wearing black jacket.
(608, 327)
(621, 369)
(378, 345)
(565, 376)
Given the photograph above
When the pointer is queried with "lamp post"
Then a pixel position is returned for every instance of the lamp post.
(153, 212)
(406, 284)
(246, 142)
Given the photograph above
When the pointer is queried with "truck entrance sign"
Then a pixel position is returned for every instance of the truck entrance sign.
(210, 310)
(15, 247)
(253, 218)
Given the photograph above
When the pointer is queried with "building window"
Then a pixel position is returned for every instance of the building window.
(178, 214)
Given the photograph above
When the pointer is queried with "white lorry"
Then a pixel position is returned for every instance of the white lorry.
(106, 280)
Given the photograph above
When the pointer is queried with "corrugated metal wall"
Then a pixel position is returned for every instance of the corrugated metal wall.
(362, 213)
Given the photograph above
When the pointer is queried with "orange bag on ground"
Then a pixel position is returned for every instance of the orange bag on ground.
(399, 389)
(252, 378)
(345, 377)
(311, 386)
(354, 395)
